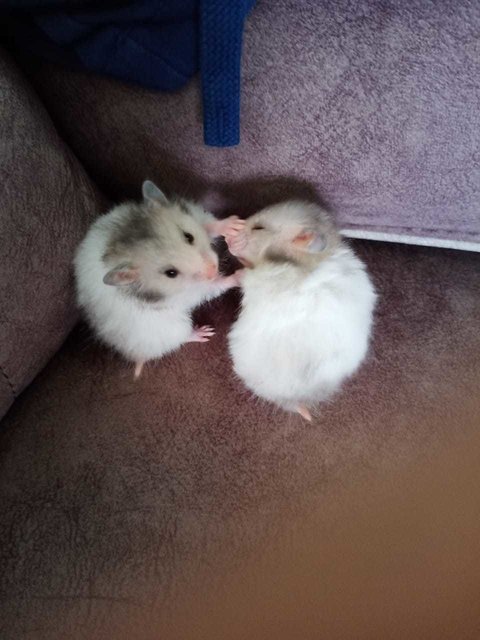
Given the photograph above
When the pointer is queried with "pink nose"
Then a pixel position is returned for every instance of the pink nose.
(211, 270)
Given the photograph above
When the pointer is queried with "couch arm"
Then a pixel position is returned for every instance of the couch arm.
(46, 203)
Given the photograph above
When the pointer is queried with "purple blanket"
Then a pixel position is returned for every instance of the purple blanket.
(375, 104)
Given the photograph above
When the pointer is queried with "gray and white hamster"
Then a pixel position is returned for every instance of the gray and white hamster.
(143, 267)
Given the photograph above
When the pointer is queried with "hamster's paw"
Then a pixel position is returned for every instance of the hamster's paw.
(233, 225)
(138, 369)
(236, 243)
(304, 412)
(202, 334)
(229, 227)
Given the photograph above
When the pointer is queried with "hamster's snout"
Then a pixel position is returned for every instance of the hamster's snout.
(210, 271)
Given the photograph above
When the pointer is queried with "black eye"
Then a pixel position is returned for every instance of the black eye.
(258, 227)
(171, 273)
(188, 237)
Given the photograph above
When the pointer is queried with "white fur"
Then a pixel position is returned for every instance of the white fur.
(139, 331)
(299, 335)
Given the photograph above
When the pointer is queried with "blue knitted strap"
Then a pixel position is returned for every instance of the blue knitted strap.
(221, 28)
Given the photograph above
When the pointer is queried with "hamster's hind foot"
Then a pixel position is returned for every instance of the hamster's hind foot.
(304, 412)
(138, 369)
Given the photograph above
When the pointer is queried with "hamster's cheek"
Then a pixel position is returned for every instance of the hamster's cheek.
(255, 248)
(214, 257)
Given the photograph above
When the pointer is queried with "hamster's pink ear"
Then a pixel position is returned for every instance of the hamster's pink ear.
(150, 191)
(122, 275)
(310, 241)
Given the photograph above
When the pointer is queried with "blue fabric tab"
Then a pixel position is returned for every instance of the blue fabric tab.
(221, 27)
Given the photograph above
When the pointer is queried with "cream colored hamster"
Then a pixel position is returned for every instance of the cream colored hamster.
(307, 306)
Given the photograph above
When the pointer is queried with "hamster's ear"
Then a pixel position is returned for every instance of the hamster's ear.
(310, 241)
(121, 275)
(150, 191)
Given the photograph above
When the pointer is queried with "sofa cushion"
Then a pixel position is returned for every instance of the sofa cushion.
(116, 495)
(46, 203)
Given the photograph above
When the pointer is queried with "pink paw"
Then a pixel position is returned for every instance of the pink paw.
(202, 334)
(236, 243)
(304, 412)
(229, 227)
(138, 369)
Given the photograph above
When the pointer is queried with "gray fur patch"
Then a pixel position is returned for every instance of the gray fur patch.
(182, 205)
(136, 228)
(144, 295)
(280, 258)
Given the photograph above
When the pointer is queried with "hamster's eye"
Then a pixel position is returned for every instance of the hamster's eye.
(258, 227)
(171, 273)
(188, 237)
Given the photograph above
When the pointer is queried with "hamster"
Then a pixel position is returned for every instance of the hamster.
(141, 270)
(307, 306)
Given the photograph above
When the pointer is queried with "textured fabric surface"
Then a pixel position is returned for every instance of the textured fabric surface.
(392, 559)
(373, 103)
(115, 495)
(46, 201)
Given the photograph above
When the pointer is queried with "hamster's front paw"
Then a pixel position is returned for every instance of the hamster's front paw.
(234, 225)
(229, 227)
(237, 242)
(202, 334)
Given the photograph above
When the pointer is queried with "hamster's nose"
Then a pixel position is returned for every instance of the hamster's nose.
(211, 270)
